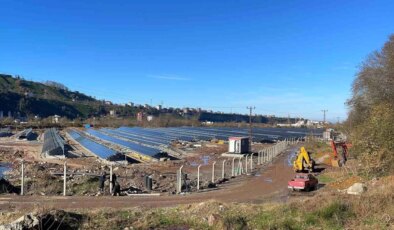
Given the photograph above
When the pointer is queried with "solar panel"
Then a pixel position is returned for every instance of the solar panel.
(136, 137)
(53, 143)
(132, 146)
(94, 147)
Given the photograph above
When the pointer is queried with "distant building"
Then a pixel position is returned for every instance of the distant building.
(112, 113)
(238, 145)
(131, 104)
(140, 116)
(56, 119)
(159, 107)
(149, 118)
(29, 94)
(108, 102)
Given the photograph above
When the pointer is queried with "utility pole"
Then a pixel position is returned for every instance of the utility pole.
(338, 119)
(251, 108)
(324, 112)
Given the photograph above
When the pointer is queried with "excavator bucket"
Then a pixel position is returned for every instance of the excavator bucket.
(335, 163)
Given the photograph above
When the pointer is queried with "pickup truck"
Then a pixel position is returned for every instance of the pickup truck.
(303, 181)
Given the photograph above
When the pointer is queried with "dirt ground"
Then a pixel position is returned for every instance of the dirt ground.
(266, 183)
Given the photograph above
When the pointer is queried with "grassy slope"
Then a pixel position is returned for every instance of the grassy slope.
(47, 100)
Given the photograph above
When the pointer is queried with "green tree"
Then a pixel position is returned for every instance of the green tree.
(371, 117)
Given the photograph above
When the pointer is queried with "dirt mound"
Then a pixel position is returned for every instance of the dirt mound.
(346, 183)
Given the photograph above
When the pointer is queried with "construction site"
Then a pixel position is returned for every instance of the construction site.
(132, 167)
(150, 162)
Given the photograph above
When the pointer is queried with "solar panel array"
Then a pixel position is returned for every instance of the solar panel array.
(152, 141)
(166, 135)
(125, 142)
(5, 132)
(94, 147)
(53, 143)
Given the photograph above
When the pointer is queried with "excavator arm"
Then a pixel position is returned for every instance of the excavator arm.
(302, 157)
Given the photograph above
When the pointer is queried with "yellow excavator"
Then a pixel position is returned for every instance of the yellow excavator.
(303, 162)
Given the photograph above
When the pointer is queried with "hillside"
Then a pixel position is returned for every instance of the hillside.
(28, 98)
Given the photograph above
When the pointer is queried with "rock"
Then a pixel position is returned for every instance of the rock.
(214, 219)
(25, 222)
(357, 189)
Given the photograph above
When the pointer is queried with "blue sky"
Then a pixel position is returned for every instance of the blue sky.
(284, 57)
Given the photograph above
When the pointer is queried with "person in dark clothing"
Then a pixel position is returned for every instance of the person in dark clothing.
(113, 180)
(102, 179)
(116, 190)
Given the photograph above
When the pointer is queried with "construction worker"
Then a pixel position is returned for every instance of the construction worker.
(102, 180)
(113, 182)
(116, 190)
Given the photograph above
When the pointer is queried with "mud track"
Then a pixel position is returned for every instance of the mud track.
(268, 183)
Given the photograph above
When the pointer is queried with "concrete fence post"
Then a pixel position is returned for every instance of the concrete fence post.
(110, 178)
(23, 178)
(246, 164)
(232, 168)
(240, 167)
(251, 162)
(223, 174)
(213, 172)
(198, 177)
(180, 179)
(65, 179)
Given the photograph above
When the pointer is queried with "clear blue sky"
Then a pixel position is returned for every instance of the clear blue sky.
(283, 57)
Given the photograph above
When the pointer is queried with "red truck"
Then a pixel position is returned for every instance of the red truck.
(303, 181)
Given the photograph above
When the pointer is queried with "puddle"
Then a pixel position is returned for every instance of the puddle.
(269, 180)
(4, 167)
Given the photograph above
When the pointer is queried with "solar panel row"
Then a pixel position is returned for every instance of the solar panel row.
(164, 136)
(150, 141)
(94, 147)
(149, 151)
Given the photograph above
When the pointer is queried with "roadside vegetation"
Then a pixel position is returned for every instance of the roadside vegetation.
(371, 118)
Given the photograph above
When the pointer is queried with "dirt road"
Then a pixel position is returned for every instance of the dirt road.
(267, 183)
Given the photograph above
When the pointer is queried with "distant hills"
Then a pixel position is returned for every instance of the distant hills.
(28, 99)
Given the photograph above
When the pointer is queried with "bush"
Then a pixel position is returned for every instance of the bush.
(371, 119)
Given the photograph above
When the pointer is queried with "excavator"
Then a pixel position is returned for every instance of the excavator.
(303, 162)
(337, 161)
